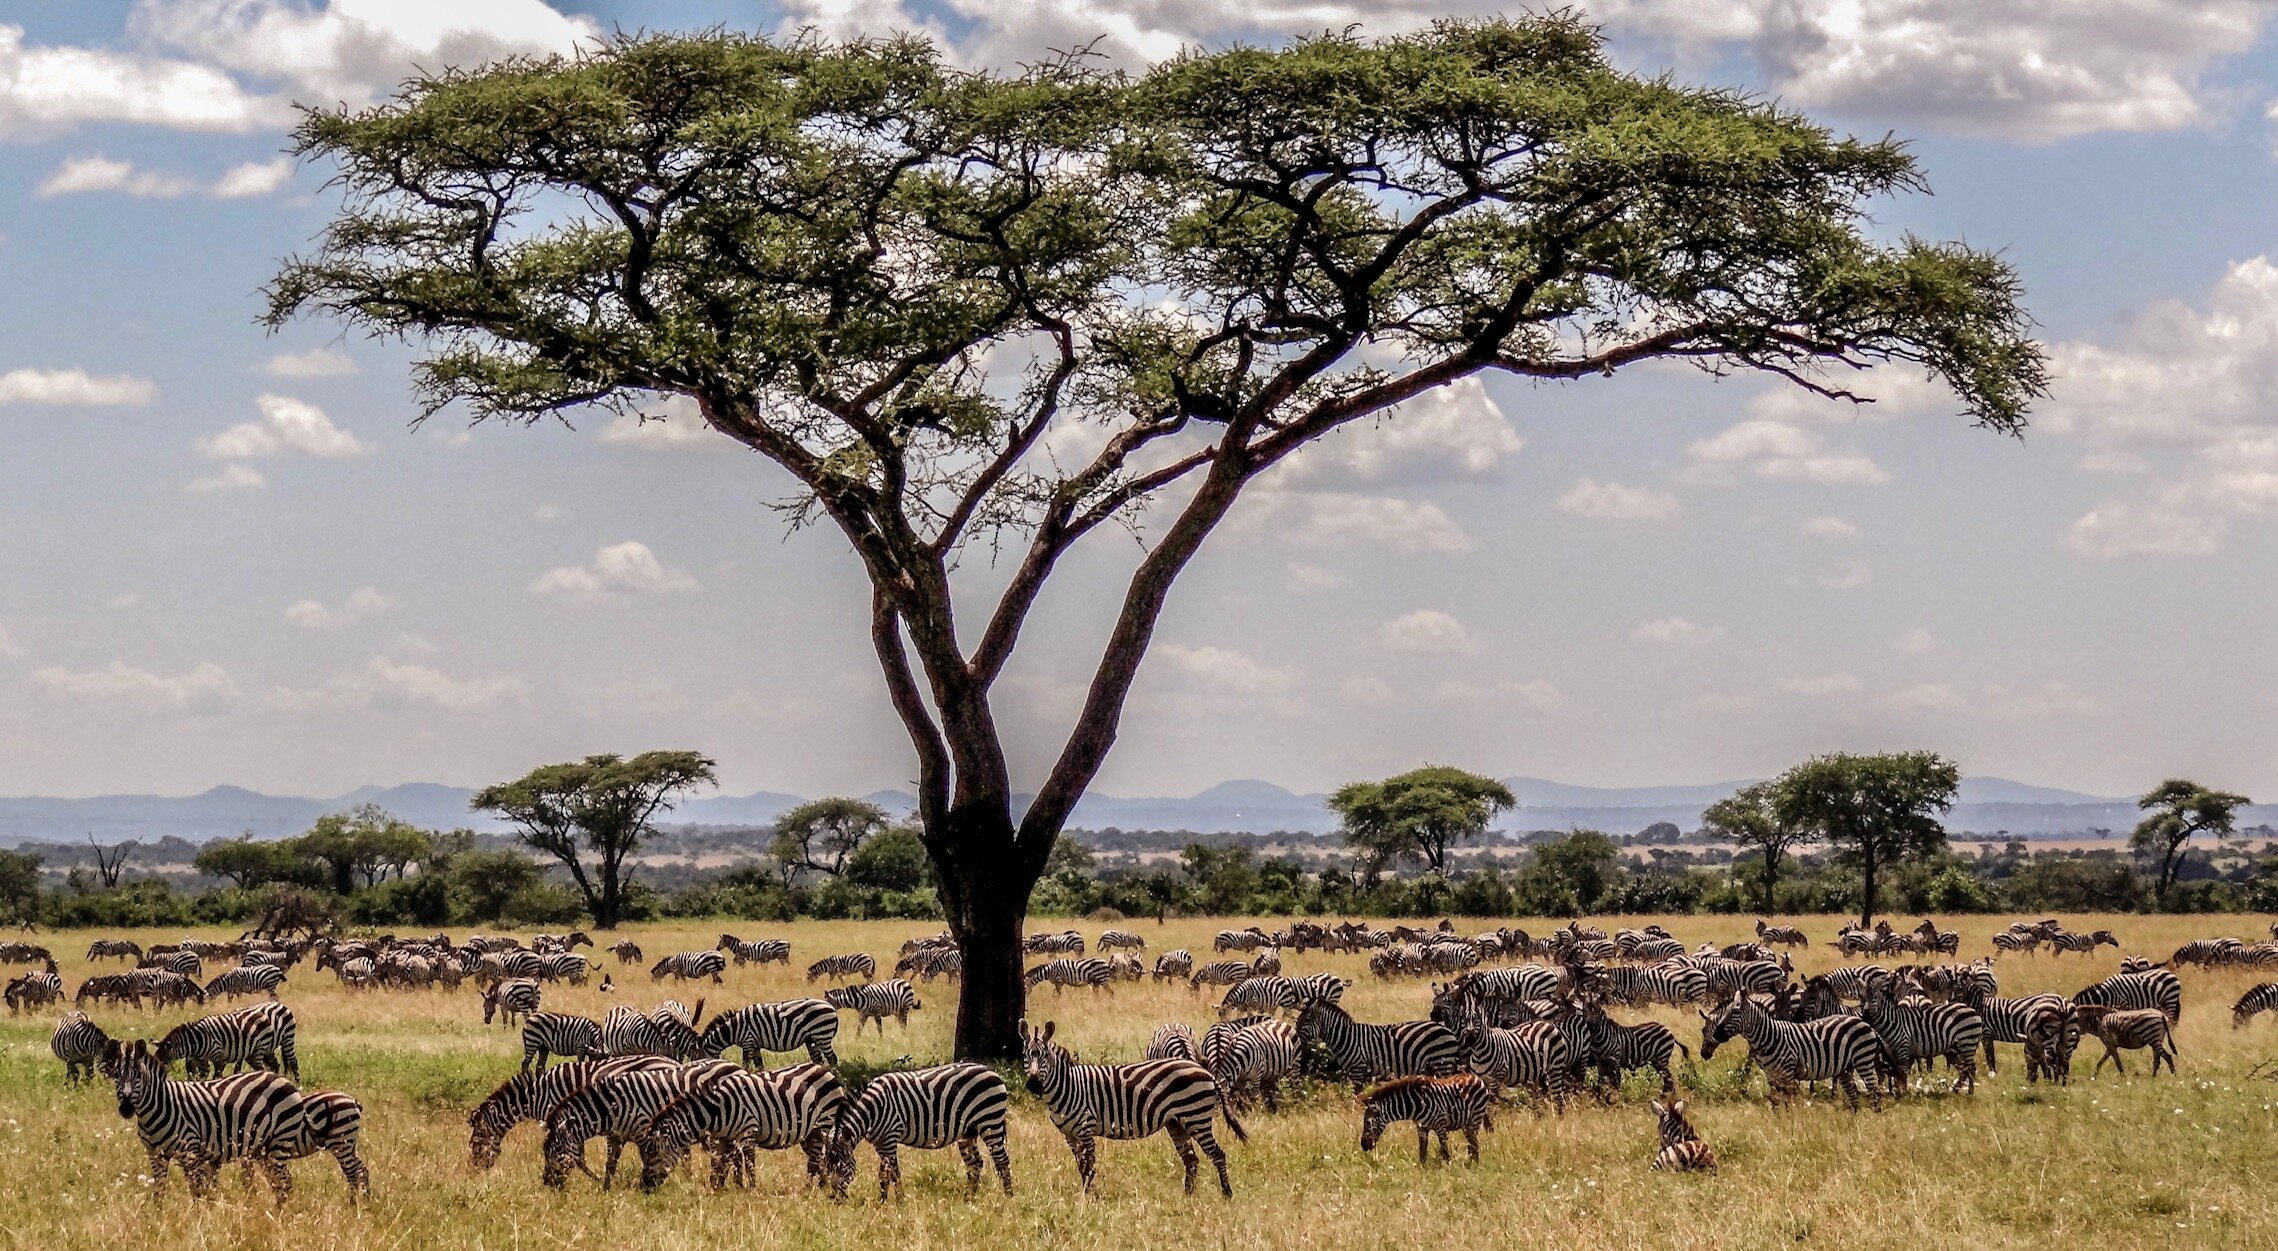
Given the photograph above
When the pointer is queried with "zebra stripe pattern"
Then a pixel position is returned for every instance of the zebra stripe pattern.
(261, 1037)
(80, 1044)
(627, 1031)
(1086, 971)
(530, 1096)
(1172, 1041)
(333, 1122)
(248, 979)
(1922, 1034)
(689, 965)
(1681, 1146)
(199, 1126)
(1123, 940)
(2261, 998)
(1615, 1049)
(743, 1112)
(1438, 1106)
(2157, 988)
(1172, 965)
(623, 1107)
(760, 951)
(1218, 973)
(926, 1109)
(1369, 1052)
(1122, 1101)
(1532, 1055)
(1844, 1049)
(34, 990)
(2128, 1029)
(854, 964)
(549, 1034)
(789, 1025)
(515, 997)
(875, 1001)
(1251, 1058)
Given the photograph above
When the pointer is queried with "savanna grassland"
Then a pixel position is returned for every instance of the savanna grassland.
(2115, 1162)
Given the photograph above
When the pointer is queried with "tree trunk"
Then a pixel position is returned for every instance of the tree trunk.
(985, 880)
(1867, 903)
(1771, 878)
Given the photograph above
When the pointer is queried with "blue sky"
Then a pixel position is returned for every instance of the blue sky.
(228, 557)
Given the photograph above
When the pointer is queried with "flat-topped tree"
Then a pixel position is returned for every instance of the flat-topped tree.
(601, 804)
(2178, 809)
(894, 279)
(1873, 810)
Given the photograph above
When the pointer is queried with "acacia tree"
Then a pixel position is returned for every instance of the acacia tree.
(2180, 809)
(897, 280)
(1418, 815)
(111, 861)
(602, 804)
(1751, 817)
(821, 833)
(1873, 809)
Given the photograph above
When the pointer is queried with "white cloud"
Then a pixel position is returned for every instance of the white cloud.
(1775, 449)
(234, 476)
(286, 425)
(1335, 519)
(363, 603)
(1527, 696)
(10, 649)
(1304, 577)
(671, 425)
(1924, 697)
(411, 644)
(1915, 642)
(1828, 528)
(1848, 575)
(546, 512)
(1425, 632)
(1455, 432)
(1368, 691)
(2046, 702)
(621, 567)
(386, 683)
(252, 179)
(1221, 670)
(84, 175)
(1612, 501)
(1677, 631)
(314, 363)
(1821, 686)
(2168, 527)
(123, 601)
(51, 89)
(74, 387)
(205, 685)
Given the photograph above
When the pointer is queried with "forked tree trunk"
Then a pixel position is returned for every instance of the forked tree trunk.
(985, 881)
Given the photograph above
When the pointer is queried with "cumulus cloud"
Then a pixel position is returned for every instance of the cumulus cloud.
(286, 426)
(1828, 528)
(252, 179)
(1222, 670)
(387, 683)
(1848, 575)
(73, 387)
(1612, 501)
(1337, 519)
(1304, 577)
(1456, 432)
(84, 175)
(51, 89)
(314, 363)
(1915, 642)
(2170, 526)
(1821, 686)
(1924, 697)
(1778, 450)
(669, 426)
(622, 568)
(1676, 631)
(234, 476)
(1425, 632)
(363, 603)
(1526, 696)
(204, 686)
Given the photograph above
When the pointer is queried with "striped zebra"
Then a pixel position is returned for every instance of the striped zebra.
(1366, 1053)
(34, 990)
(2137, 964)
(80, 1044)
(1126, 1101)
(1267, 963)
(1241, 940)
(1126, 967)
(1120, 940)
(689, 965)
(515, 997)
(628, 1031)
(549, 1034)
(1674, 984)
(199, 1126)
(1780, 935)
(627, 951)
(260, 1037)
(2158, 988)
(1251, 1056)
(185, 963)
(247, 979)
(568, 966)
(333, 1122)
(875, 1001)
(1438, 1106)
(1257, 994)
(1853, 981)
(1532, 1055)
(2262, 998)
(530, 1096)
(1842, 1048)
(854, 964)
(1173, 965)
(2037, 1022)
(623, 1107)
(1682, 1148)
(1218, 973)
(2128, 1029)
(1084, 971)
(1172, 1041)
(925, 1109)
(743, 1112)
(112, 948)
(2085, 944)
(2205, 952)
(1616, 1048)
(1067, 942)
(109, 988)
(1914, 1035)
(789, 1025)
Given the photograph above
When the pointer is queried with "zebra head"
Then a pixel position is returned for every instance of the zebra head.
(135, 1073)
(838, 1153)
(502, 1111)
(1043, 1061)
(1717, 1028)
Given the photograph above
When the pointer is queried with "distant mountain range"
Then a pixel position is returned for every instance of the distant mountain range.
(1987, 805)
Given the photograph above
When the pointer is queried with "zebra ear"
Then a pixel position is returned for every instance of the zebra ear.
(1658, 1109)
(1049, 1027)
(1678, 1107)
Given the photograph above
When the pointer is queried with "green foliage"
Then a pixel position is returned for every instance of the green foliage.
(1224, 877)
(1873, 809)
(1417, 816)
(893, 861)
(19, 886)
(1569, 875)
(819, 835)
(2179, 809)
(1752, 818)
(1956, 889)
(602, 804)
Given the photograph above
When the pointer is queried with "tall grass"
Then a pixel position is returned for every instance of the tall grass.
(2119, 1161)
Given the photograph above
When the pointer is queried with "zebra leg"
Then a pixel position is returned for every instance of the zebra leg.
(971, 1154)
(1423, 1146)
(1086, 1151)
(1187, 1158)
(352, 1170)
(814, 1145)
(1471, 1141)
(889, 1170)
(1208, 1138)
(616, 1152)
(998, 1156)
(1965, 1068)
(159, 1168)
(280, 1178)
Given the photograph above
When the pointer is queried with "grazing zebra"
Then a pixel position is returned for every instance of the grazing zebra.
(2036, 1021)
(530, 1096)
(333, 1122)
(2027, 941)
(628, 1031)
(1218, 973)
(2205, 952)
(875, 1001)
(927, 1109)
(1533, 1055)
(1682, 1148)
(789, 1025)
(742, 1112)
(1366, 1053)
(109, 948)
(1843, 1048)
(1172, 1041)
(2262, 998)
(932, 962)
(110, 988)
(261, 1037)
(627, 951)
(2137, 964)
(1122, 1101)
(200, 1126)
(1254, 1055)
(2126, 1030)
(854, 965)
(549, 1034)
(1855, 981)
(1067, 942)
(247, 979)
(760, 951)
(1241, 940)
(1112, 940)
(623, 1107)
(2157, 988)
(690, 964)
(1780, 935)
(34, 990)
(2085, 944)
(1436, 1104)
(566, 966)
(1672, 984)
(1086, 971)
(1126, 967)
(1922, 1034)
(1267, 963)
(79, 1043)
(1173, 965)
(1258, 994)
(1616, 1049)
(185, 963)
(516, 997)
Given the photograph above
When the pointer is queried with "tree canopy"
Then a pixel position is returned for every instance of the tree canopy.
(2179, 809)
(1874, 810)
(602, 804)
(1418, 815)
(820, 834)
(1752, 818)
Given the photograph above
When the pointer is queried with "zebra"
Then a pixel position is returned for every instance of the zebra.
(2027, 941)
(875, 1001)
(530, 1096)
(743, 1112)
(932, 962)
(784, 1026)
(1110, 940)
(1780, 935)
(515, 997)
(2085, 944)
(2128, 1029)
(185, 963)
(690, 964)
(2262, 998)
(1086, 971)
(1218, 973)
(1682, 1148)
(960, 1103)
(1436, 1104)
(1173, 965)
(1367, 1052)
(1067, 942)
(1126, 967)
(1241, 940)
(627, 951)
(1922, 1034)
(333, 1122)
(1672, 984)
(1267, 963)
(566, 966)
(1855, 981)
(1257, 994)
(2157, 988)
(1616, 1048)
(1843, 1048)
(2036, 1021)
(79, 1043)
(110, 948)
(1172, 1041)
(1251, 1054)
(549, 1034)
(258, 1117)
(2205, 952)
(1122, 1101)
(623, 1107)
(1532, 1054)
(247, 979)
(261, 1037)
(854, 965)
(628, 1031)
(34, 990)
(111, 988)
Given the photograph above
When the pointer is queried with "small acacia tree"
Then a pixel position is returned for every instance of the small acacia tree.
(601, 804)
(1417, 816)
(1875, 810)
(2179, 809)
(897, 280)
(821, 833)
(1751, 817)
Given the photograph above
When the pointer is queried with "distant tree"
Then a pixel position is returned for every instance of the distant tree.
(820, 834)
(1225, 877)
(2180, 809)
(1577, 870)
(1163, 890)
(365, 843)
(1876, 810)
(602, 804)
(111, 861)
(1660, 833)
(245, 861)
(1751, 817)
(893, 860)
(482, 883)
(19, 887)
(1418, 815)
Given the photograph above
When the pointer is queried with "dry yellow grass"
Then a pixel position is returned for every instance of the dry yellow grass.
(2117, 1162)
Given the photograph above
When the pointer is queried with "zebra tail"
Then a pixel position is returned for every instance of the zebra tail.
(1684, 1050)
(1226, 1110)
(285, 1053)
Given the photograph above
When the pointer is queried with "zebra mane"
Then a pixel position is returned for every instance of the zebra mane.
(1396, 1086)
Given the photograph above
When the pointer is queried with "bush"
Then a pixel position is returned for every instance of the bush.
(1956, 889)
(542, 903)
